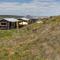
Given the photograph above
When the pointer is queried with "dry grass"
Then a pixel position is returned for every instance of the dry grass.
(33, 42)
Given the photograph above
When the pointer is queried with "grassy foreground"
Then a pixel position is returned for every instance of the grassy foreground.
(33, 42)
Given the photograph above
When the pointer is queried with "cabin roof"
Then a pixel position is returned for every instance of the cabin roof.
(10, 19)
(25, 18)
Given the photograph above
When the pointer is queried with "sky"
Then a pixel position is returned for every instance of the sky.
(30, 7)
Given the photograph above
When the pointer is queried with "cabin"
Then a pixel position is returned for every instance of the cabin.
(24, 21)
(33, 19)
(8, 23)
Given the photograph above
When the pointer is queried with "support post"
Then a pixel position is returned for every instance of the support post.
(17, 24)
(8, 25)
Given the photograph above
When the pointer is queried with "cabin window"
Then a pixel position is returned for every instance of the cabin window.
(3, 24)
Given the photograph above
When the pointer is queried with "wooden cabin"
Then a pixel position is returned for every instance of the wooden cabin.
(24, 21)
(8, 23)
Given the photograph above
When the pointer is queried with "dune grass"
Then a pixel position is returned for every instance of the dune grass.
(33, 42)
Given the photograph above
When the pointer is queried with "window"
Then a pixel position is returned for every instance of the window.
(3, 24)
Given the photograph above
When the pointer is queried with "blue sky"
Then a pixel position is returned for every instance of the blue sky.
(21, 1)
(30, 7)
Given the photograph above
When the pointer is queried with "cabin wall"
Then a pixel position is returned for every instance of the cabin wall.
(34, 20)
(7, 25)
(4, 24)
(12, 25)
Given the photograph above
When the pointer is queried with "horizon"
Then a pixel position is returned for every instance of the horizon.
(30, 7)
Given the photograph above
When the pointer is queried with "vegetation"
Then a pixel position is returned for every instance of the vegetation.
(33, 42)
(9, 16)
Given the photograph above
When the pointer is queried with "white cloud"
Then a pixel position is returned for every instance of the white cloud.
(36, 7)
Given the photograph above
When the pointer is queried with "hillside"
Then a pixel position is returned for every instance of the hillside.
(33, 42)
(10, 16)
